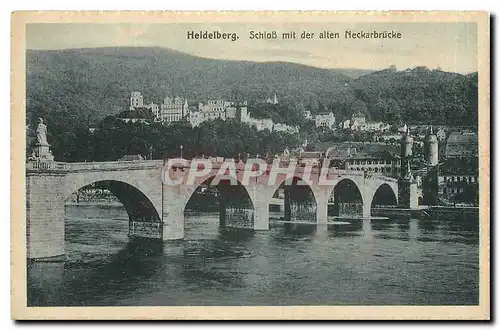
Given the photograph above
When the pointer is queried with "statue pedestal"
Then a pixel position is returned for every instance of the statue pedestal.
(42, 152)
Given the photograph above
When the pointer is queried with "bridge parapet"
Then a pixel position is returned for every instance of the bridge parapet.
(114, 165)
(45, 166)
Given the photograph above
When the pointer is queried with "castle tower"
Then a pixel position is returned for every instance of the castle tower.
(431, 149)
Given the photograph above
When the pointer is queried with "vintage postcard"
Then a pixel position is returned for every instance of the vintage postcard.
(250, 165)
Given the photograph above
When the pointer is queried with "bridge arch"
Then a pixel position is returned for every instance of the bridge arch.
(228, 195)
(300, 202)
(383, 192)
(138, 206)
(145, 186)
(346, 198)
(384, 195)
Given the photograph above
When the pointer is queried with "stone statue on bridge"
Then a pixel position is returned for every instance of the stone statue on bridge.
(41, 151)
(41, 133)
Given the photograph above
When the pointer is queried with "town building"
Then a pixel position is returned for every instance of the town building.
(441, 134)
(214, 109)
(358, 119)
(134, 120)
(325, 120)
(358, 122)
(346, 124)
(273, 100)
(310, 158)
(383, 163)
(244, 115)
(174, 109)
(307, 115)
(285, 128)
(375, 126)
(454, 179)
(136, 100)
(155, 110)
(458, 182)
(463, 144)
(372, 158)
(260, 124)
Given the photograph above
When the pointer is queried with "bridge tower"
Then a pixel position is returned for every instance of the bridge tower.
(431, 149)
(406, 151)
(407, 187)
(430, 181)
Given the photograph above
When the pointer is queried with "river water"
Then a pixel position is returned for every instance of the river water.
(353, 262)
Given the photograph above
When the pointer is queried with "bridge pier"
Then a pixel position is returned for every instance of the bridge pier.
(300, 204)
(322, 195)
(366, 209)
(173, 226)
(236, 207)
(173, 212)
(261, 213)
(45, 215)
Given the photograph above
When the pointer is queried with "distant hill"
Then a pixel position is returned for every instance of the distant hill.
(97, 82)
(353, 73)
(79, 87)
(419, 95)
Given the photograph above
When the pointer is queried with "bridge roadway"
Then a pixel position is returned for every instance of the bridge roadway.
(156, 210)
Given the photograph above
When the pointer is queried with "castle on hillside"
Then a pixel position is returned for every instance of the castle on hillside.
(175, 109)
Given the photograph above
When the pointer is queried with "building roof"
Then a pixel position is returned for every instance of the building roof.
(344, 150)
(131, 158)
(375, 155)
(310, 154)
(457, 166)
(461, 144)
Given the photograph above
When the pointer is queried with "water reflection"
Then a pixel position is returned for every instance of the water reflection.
(349, 261)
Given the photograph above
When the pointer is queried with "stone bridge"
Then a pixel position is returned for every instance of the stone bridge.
(156, 209)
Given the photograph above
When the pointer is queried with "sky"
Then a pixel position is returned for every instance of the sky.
(450, 46)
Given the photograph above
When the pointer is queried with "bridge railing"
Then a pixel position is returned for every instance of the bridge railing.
(145, 164)
(113, 165)
(45, 166)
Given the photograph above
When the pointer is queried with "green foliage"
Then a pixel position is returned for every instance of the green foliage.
(114, 138)
(76, 89)
(419, 96)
